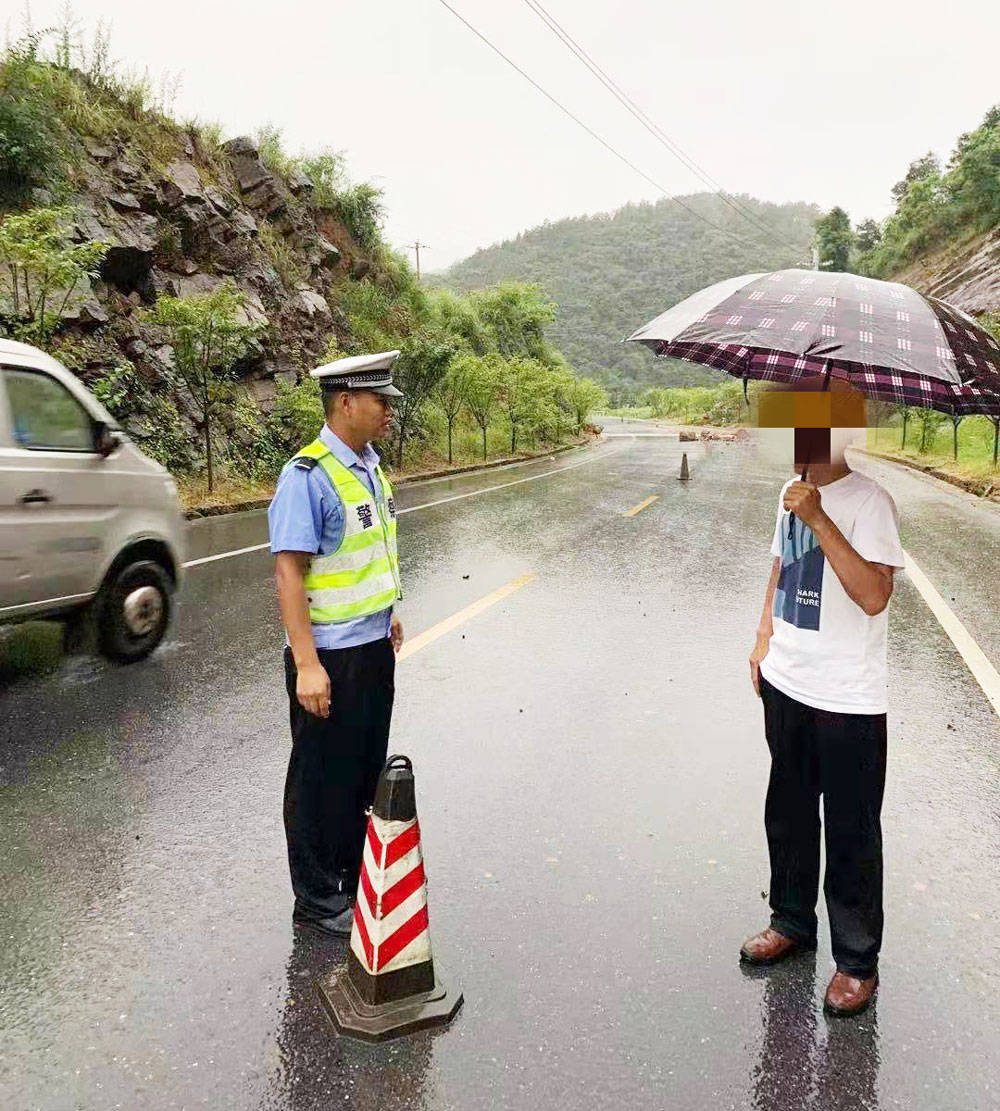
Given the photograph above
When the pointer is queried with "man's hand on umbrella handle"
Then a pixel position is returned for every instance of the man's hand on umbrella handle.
(804, 500)
(760, 650)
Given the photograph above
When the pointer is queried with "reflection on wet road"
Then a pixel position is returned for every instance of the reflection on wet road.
(590, 774)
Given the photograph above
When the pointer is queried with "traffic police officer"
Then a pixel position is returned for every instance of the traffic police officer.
(332, 525)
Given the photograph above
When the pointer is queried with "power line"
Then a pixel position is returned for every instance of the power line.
(593, 134)
(650, 125)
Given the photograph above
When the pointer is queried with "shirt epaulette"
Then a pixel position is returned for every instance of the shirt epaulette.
(304, 463)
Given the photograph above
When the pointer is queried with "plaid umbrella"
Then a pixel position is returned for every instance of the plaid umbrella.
(889, 341)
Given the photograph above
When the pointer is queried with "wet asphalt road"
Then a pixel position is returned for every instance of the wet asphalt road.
(590, 774)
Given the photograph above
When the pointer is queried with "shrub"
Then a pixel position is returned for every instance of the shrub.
(730, 406)
(29, 154)
(297, 414)
(361, 211)
(358, 207)
(152, 420)
(252, 449)
(291, 269)
(272, 154)
(377, 319)
(44, 267)
(328, 174)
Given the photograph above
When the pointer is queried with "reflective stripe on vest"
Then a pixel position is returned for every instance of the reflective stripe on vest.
(362, 576)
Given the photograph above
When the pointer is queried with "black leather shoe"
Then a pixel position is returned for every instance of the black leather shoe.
(337, 925)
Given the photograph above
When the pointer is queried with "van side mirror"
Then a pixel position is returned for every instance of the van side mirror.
(106, 439)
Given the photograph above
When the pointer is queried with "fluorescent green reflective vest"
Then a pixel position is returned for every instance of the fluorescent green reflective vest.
(362, 575)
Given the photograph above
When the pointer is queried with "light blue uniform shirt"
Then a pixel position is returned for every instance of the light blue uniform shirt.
(307, 515)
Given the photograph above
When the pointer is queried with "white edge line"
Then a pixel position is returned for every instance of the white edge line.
(501, 485)
(225, 555)
(414, 508)
(975, 659)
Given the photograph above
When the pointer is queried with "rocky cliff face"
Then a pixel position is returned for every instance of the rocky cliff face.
(966, 274)
(181, 223)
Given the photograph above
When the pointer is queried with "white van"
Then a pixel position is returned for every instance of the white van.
(89, 526)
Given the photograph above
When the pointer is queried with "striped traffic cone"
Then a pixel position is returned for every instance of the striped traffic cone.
(389, 987)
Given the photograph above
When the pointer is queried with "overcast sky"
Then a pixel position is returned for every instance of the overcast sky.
(785, 99)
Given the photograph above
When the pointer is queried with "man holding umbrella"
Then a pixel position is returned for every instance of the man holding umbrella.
(819, 662)
(819, 665)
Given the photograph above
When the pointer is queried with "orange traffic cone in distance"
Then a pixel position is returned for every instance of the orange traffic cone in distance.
(389, 987)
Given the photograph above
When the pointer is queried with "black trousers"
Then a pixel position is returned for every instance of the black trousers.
(841, 757)
(333, 771)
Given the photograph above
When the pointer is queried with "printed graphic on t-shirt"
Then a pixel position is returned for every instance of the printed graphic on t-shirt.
(799, 595)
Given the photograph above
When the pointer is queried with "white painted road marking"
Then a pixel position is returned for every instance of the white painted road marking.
(225, 555)
(982, 670)
(426, 505)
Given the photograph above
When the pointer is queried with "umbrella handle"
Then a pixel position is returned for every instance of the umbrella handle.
(791, 516)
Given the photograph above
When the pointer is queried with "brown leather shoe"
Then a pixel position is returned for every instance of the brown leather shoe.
(847, 995)
(768, 947)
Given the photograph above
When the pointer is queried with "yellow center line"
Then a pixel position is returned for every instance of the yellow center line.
(975, 658)
(428, 636)
(641, 506)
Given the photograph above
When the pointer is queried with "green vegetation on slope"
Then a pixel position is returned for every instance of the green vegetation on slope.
(130, 243)
(935, 204)
(611, 273)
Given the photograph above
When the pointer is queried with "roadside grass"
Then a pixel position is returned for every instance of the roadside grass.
(975, 447)
(227, 490)
(467, 450)
(34, 648)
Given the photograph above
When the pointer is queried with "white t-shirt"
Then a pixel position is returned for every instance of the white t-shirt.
(826, 651)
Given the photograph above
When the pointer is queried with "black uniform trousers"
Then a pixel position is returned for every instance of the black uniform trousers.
(333, 771)
(841, 757)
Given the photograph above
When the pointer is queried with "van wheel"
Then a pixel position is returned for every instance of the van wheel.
(133, 611)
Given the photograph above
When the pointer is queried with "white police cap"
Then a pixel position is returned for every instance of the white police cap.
(360, 372)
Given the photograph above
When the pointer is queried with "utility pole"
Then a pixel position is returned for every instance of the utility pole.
(416, 247)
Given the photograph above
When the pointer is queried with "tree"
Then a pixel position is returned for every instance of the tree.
(607, 278)
(452, 390)
(879, 413)
(458, 316)
(515, 316)
(930, 421)
(521, 384)
(44, 269)
(905, 412)
(956, 420)
(991, 322)
(209, 334)
(919, 169)
(868, 235)
(422, 363)
(584, 396)
(483, 392)
(658, 399)
(973, 180)
(835, 240)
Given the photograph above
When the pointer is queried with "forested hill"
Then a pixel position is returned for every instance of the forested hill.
(944, 236)
(610, 273)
